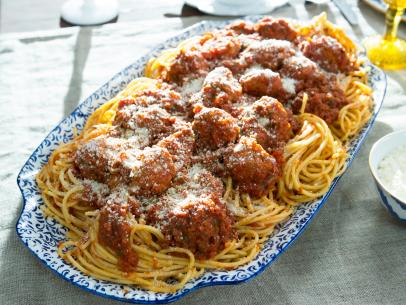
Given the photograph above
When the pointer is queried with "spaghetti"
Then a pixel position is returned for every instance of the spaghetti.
(166, 180)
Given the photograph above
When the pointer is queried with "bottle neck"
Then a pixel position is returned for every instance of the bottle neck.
(393, 16)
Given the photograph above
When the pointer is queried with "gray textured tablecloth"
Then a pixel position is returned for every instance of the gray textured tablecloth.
(352, 253)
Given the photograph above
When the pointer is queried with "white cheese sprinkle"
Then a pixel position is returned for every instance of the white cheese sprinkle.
(392, 171)
(264, 122)
(289, 85)
(192, 86)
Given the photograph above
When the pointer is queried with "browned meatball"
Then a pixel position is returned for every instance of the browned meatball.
(98, 195)
(250, 127)
(114, 232)
(268, 122)
(253, 169)
(269, 53)
(148, 171)
(236, 65)
(299, 68)
(261, 82)
(328, 53)
(166, 98)
(187, 63)
(212, 160)
(214, 128)
(111, 160)
(275, 28)
(201, 181)
(241, 27)
(219, 46)
(275, 118)
(145, 124)
(220, 89)
(99, 159)
(169, 100)
(323, 102)
(180, 145)
(201, 225)
(94, 193)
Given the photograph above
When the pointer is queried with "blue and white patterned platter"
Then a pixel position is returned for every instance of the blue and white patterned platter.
(41, 235)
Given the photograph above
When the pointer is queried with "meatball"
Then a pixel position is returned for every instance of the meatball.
(98, 195)
(269, 53)
(114, 232)
(148, 171)
(275, 28)
(201, 181)
(169, 100)
(187, 63)
(163, 96)
(275, 118)
(220, 47)
(220, 89)
(99, 159)
(326, 104)
(261, 82)
(95, 193)
(180, 145)
(299, 68)
(145, 124)
(235, 65)
(241, 27)
(251, 127)
(254, 170)
(214, 128)
(328, 53)
(201, 225)
(268, 122)
(115, 161)
(212, 160)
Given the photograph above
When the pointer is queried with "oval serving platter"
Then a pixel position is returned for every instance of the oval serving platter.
(41, 235)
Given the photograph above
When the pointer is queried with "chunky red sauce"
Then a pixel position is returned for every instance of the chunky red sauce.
(225, 110)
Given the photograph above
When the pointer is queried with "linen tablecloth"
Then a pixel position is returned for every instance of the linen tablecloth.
(352, 253)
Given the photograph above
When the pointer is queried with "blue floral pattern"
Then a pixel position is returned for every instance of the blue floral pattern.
(41, 235)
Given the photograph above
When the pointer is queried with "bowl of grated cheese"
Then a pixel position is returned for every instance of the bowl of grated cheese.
(387, 162)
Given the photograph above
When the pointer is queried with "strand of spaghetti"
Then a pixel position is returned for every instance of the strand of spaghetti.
(297, 186)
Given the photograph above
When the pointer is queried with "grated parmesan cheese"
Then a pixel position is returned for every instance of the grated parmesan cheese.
(270, 45)
(264, 122)
(133, 161)
(196, 170)
(192, 86)
(140, 137)
(289, 84)
(235, 210)
(97, 187)
(253, 68)
(119, 195)
(392, 171)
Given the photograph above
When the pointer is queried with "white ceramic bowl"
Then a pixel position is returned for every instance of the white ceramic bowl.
(395, 206)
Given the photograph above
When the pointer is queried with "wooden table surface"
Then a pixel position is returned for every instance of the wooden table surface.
(33, 15)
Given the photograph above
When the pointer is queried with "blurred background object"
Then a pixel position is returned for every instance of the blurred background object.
(89, 12)
(33, 15)
(236, 7)
(381, 6)
(389, 51)
(347, 11)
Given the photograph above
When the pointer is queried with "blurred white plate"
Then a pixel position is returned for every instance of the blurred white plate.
(213, 7)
